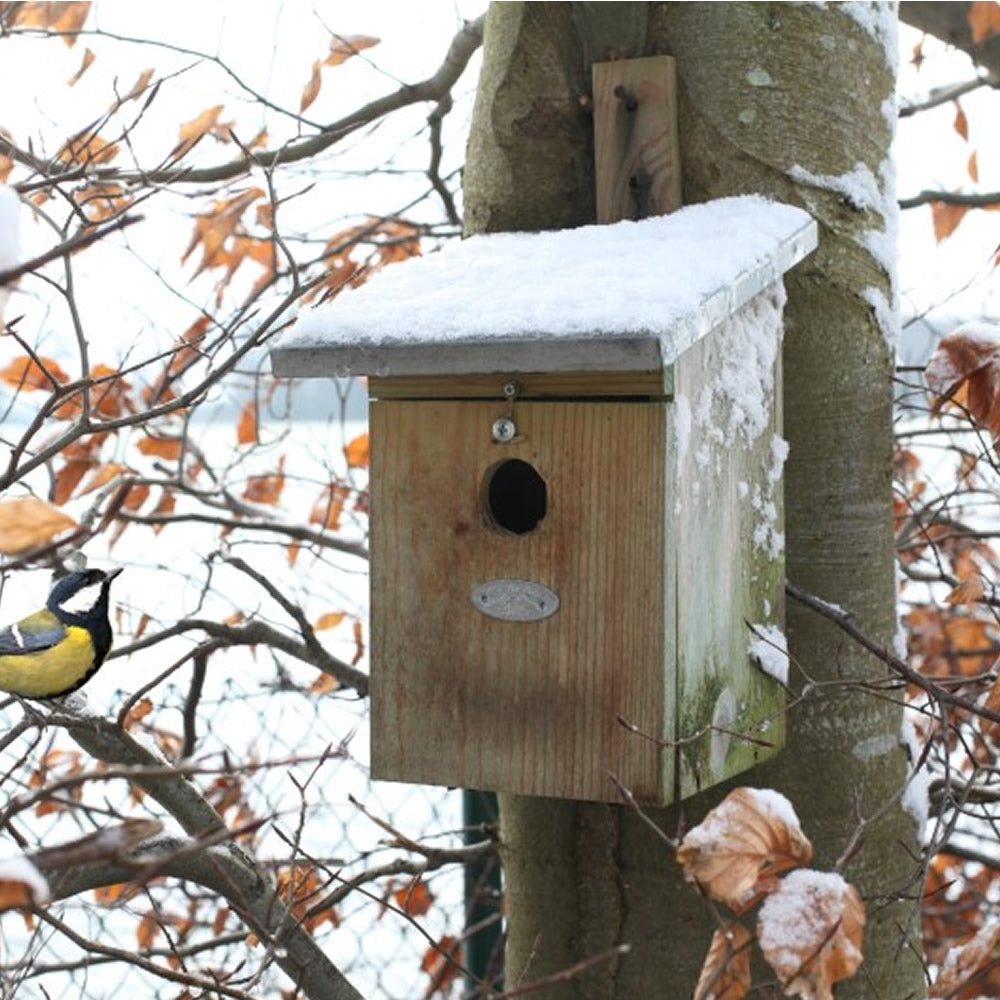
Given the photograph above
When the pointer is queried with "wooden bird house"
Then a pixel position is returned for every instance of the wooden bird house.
(576, 500)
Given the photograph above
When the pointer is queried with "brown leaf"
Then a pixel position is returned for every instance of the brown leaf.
(191, 132)
(65, 18)
(739, 848)
(357, 452)
(970, 590)
(246, 426)
(324, 684)
(329, 506)
(973, 167)
(87, 149)
(140, 85)
(984, 20)
(164, 508)
(961, 123)
(27, 521)
(162, 447)
(343, 47)
(809, 930)
(311, 90)
(330, 620)
(80, 458)
(293, 550)
(147, 930)
(440, 962)
(266, 489)
(213, 228)
(964, 962)
(26, 373)
(88, 59)
(359, 642)
(414, 899)
(946, 218)
(965, 370)
(21, 885)
(725, 973)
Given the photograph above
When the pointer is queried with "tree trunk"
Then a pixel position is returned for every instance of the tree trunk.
(764, 87)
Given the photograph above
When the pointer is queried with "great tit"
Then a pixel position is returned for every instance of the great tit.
(56, 650)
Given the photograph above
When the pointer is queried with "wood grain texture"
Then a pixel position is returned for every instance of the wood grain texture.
(532, 385)
(459, 698)
(636, 147)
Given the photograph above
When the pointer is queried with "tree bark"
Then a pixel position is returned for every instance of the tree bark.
(764, 88)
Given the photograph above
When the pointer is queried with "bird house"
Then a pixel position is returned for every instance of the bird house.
(576, 500)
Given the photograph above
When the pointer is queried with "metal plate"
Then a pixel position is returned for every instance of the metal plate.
(515, 600)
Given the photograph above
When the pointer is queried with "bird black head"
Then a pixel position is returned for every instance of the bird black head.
(82, 597)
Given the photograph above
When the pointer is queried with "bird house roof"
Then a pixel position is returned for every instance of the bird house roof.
(631, 296)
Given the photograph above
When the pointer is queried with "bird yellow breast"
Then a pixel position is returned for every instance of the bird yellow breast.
(51, 671)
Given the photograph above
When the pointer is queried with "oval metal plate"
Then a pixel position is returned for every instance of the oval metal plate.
(515, 600)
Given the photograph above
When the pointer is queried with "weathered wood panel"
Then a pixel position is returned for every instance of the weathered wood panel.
(636, 148)
(460, 698)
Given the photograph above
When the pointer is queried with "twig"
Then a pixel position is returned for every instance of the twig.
(70, 246)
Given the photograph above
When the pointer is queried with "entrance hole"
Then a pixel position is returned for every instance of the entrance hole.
(516, 497)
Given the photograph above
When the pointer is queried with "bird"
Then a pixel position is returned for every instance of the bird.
(57, 649)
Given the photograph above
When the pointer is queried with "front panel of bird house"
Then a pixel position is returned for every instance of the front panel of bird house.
(518, 596)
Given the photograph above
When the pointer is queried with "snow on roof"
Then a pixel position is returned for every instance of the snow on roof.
(626, 296)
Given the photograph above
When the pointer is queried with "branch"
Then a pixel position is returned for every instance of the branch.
(229, 872)
(985, 200)
(433, 88)
(845, 621)
(82, 239)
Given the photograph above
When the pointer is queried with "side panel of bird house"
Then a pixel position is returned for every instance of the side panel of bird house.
(462, 697)
(728, 454)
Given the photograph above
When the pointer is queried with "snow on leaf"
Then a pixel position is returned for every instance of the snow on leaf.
(984, 20)
(965, 370)
(725, 974)
(742, 845)
(27, 521)
(965, 961)
(809, 930)
(21, 884)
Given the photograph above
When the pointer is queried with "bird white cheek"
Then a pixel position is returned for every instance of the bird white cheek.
(82, 601)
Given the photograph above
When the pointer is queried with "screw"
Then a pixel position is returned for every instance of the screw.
(504, 430)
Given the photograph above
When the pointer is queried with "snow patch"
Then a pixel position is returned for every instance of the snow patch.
(650, 278)
(859, 185)
(916, 792)
(769, 647)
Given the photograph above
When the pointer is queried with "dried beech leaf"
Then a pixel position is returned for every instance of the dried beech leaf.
(357, 452)
(27, 521)
(88, 59)
(246, 427)
(26, 373)
(946, 218)
(311, 90)
(330, 620)
(809, 930)
(742, 844)
(973, 167)
(965, 961)
(965, 370)
(961, 123)
(21, 885)
(970, 590)
(984, 20)
(725, 974)
(343, 47)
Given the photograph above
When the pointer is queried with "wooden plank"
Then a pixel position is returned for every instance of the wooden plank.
(726, 576)
(636, 148)
(532, 385)
(462, 699)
